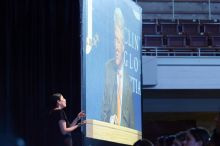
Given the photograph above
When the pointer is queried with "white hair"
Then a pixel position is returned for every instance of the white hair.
(118, 18)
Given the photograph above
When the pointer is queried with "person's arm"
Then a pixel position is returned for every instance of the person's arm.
(79, 116)
(64, 130)
(63, 125)
(74, 122)
(130, 101)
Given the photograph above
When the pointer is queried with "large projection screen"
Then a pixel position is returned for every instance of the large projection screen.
(111, 68)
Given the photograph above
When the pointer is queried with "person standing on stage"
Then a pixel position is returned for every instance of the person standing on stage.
(59, 127)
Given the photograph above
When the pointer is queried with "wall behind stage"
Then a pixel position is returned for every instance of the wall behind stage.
(98, 47)
(39, 55)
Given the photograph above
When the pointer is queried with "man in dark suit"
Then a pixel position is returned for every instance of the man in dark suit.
(215, 136)
(118, 100)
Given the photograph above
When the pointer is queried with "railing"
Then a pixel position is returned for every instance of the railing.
(153, 51)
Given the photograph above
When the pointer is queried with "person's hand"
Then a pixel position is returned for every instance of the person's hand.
(81, 114)
(113, 119)
(81, 123)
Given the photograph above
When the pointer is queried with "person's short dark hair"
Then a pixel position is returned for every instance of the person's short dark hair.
(169, 140)
(200, 134)
(143, 142)
(160, 140)
(53, 99)
(181, 136)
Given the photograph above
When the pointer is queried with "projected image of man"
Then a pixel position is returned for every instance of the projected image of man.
(117, 101)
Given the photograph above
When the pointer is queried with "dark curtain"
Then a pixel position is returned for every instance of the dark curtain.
(40, 55)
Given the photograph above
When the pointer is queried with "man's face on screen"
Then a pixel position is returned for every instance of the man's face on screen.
(119, 47)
